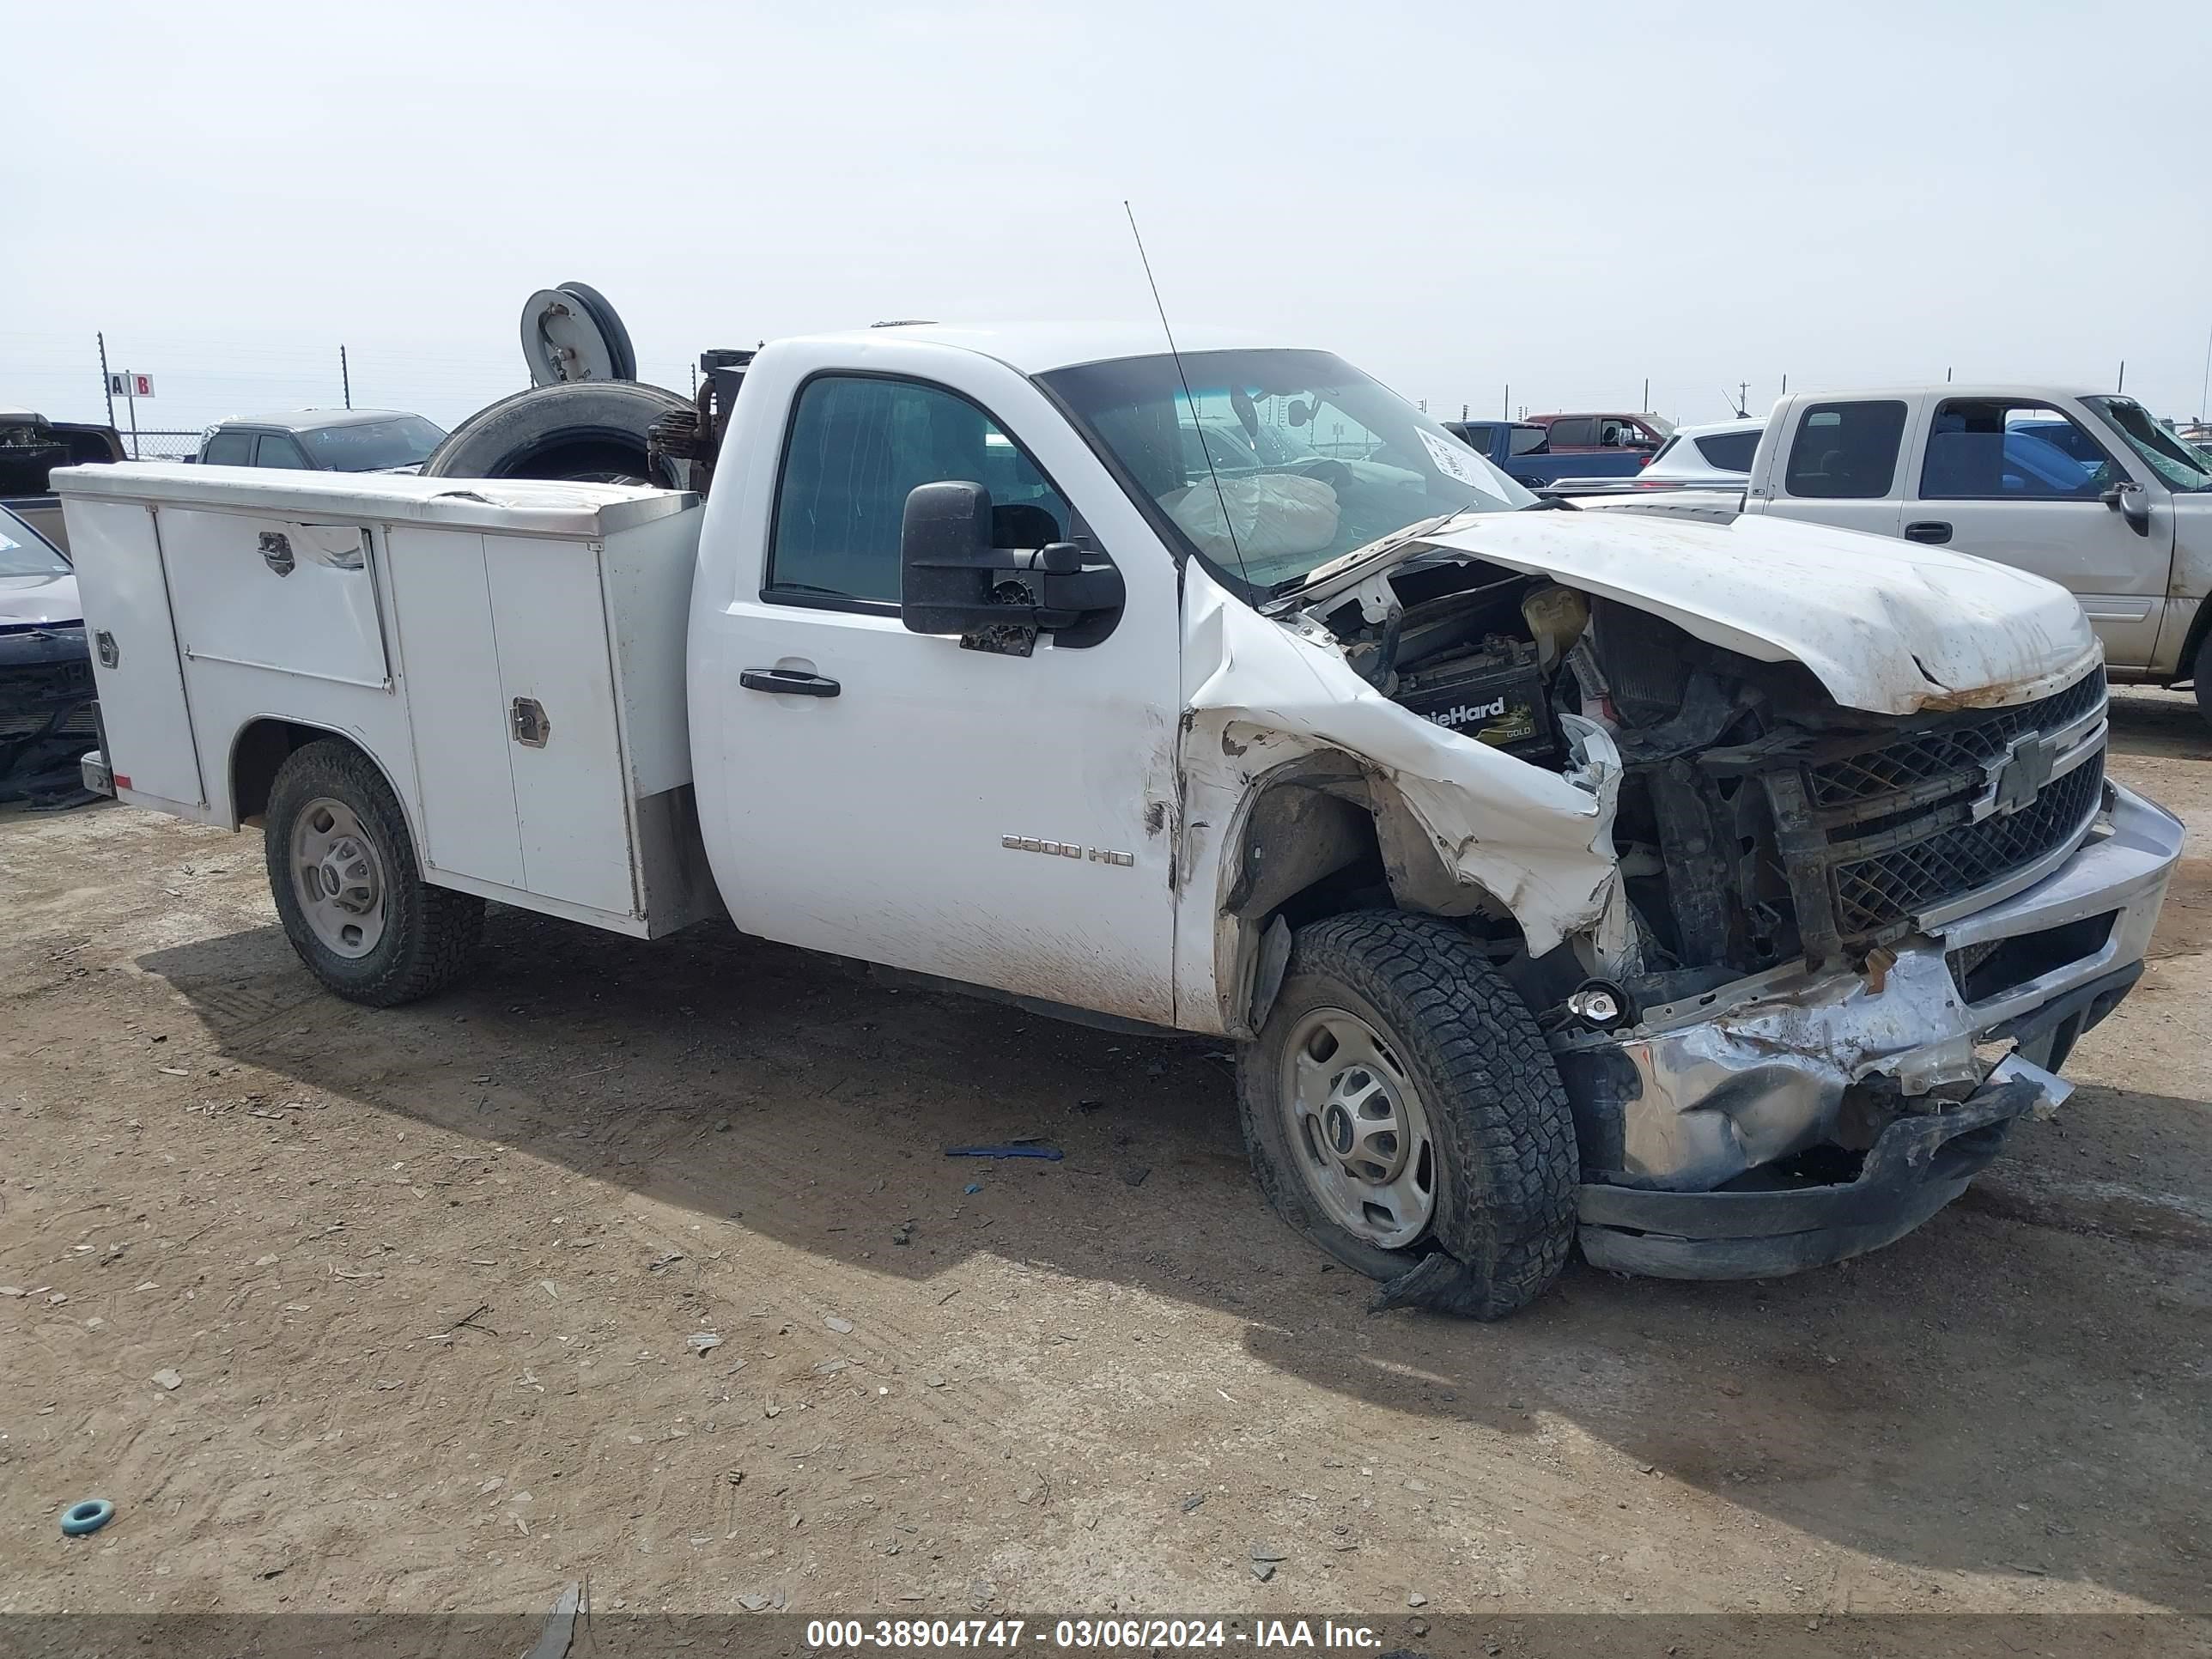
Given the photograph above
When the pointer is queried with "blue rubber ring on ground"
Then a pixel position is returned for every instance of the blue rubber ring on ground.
(88, 1516)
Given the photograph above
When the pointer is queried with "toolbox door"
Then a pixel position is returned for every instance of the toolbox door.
(556, 682)
(116, 549)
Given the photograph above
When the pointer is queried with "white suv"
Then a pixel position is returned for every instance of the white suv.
(1717, 454)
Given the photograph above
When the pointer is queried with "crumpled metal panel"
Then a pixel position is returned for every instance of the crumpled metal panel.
(1759, 1074)
(1259, 693)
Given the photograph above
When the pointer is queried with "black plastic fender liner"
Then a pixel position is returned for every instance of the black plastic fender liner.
(588, 430)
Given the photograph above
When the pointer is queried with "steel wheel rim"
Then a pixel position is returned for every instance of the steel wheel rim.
(337, 875)
(1358, 1130)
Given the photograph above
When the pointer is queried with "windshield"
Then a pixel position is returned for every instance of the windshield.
(1310, 459)
(24, 552)
(405, 440)
(2183, 468)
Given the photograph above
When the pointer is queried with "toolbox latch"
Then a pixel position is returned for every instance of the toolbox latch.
(527, 720)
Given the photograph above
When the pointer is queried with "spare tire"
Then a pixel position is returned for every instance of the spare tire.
(593, 431)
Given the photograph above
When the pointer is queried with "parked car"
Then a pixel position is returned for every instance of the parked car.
(1521, 450)
(1718, 454)
(31, 448)
(48, 718)
(2087, 488)
(1557, 874)
(324, 440)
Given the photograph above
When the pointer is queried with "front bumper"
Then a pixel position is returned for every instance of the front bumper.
(1683, 1116)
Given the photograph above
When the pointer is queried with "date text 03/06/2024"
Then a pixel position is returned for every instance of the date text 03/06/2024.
(1081, 1635)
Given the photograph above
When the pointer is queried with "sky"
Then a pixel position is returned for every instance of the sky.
(1460, 197)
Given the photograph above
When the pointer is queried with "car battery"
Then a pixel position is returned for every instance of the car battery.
(1492, 692)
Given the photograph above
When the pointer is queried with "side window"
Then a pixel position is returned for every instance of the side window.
(857, 447)
(1986, 449)
(230, 449)
(274, 449)
(1569, 434)
(1729, 450)
(1845, 452)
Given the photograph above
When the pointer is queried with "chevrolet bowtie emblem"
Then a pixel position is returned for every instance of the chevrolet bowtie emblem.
(2026, 771)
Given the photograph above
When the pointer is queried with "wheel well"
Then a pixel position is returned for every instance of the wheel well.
(2185, 668)
(1308, 849)
(260, 751)
(1314, 842)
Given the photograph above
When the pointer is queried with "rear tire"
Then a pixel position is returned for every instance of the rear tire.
(1458, 1066)
(352, 898)
(2201, 673)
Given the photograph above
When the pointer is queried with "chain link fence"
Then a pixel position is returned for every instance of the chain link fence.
(162, 445)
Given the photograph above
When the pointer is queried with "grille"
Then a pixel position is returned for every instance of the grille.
(1871, 893)
(52, 700)
(1877, 829)
(80, 723)
(1928, 756)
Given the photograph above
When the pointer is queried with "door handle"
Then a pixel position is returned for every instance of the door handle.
(1934, 532)
(789, 682)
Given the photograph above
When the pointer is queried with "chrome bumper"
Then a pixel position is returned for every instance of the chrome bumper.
(98, 777)
(1704, 1090)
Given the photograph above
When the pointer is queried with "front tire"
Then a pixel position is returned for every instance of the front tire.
(342, 869)
(1400, 1102)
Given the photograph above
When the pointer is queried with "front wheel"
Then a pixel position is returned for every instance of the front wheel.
(1401, 1104)
(352, 899)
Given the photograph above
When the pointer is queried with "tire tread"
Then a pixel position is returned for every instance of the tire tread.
(437, 929)
(1493, 1093)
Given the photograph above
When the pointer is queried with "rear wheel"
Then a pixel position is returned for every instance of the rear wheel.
(352, 898)
(1400, 1102)
(2201, 671)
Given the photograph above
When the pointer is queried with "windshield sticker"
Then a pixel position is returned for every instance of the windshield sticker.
(1457, 461)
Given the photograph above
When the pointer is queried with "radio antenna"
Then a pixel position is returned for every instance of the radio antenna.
(1198, 432)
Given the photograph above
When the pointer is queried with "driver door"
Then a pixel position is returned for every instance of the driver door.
(996, 820)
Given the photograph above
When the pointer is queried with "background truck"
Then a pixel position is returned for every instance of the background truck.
(2085, 487)
(1555, 873)
(1521, 450)
(31, 448)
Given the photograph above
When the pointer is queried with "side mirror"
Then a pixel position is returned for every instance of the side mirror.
(953, 581)
(2131, 502)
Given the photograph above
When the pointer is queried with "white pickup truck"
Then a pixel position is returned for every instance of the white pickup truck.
(1721, 894)
(2087, 488)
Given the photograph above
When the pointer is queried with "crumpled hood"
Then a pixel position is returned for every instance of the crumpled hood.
(38, 599)
(1886, 626)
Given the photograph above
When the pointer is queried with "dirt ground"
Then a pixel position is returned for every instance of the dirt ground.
(434, 1285)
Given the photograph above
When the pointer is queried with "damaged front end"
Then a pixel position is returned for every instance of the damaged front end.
(48, 717)
(1808, 928)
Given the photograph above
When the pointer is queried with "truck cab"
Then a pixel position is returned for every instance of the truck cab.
(31, 448)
